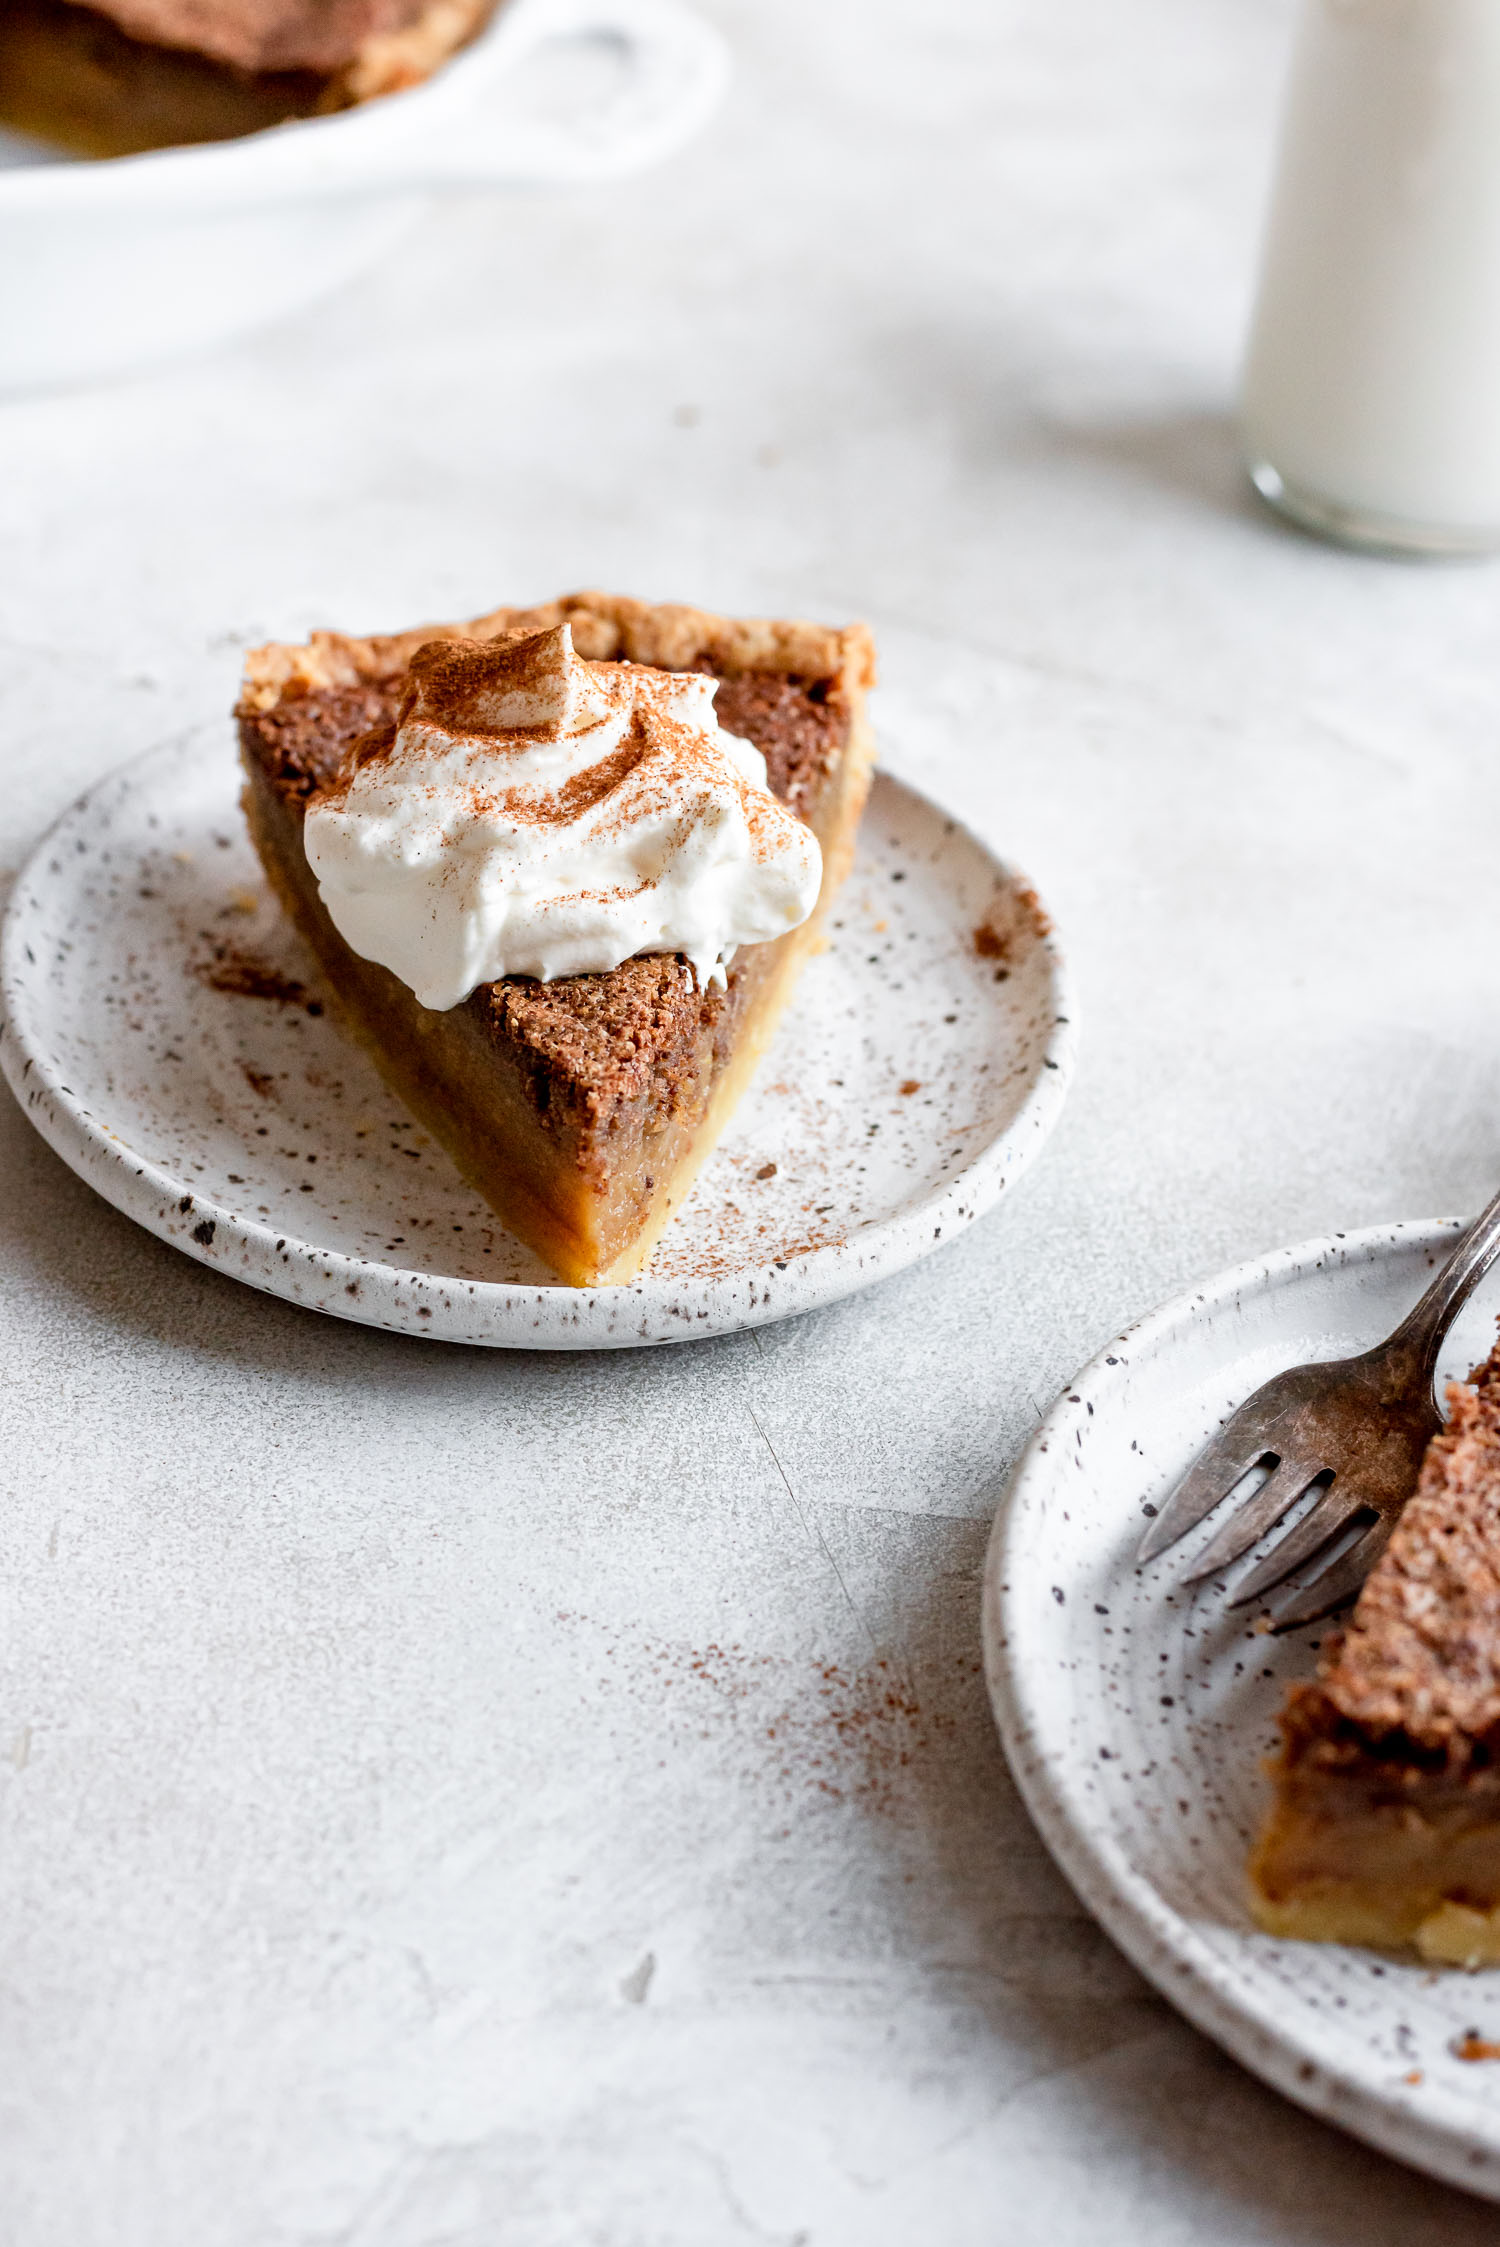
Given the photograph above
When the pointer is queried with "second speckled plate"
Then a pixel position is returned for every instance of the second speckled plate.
(1136, 1713)
(166, 1035)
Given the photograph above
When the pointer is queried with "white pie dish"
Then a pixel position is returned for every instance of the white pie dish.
(1136, 1713)
(251, 1135)
(112, 265)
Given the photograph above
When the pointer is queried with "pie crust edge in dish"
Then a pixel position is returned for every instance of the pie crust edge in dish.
(78, 78)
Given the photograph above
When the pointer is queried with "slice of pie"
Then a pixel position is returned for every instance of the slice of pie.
(1385, 1828)
(116, 77)
(581, 1109)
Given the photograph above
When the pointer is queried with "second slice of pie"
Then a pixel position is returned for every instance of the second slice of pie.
(1385, 1827)
(581, 1107)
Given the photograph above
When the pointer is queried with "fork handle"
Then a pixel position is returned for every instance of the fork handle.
(1425, 1327)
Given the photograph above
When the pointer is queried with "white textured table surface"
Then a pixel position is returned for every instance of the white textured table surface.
(449, 1799)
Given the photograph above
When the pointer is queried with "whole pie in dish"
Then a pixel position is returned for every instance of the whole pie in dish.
(116, 77)
(1385, 1827)
(581, 1108)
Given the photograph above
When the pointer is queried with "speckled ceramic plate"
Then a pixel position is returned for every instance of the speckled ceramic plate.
(166, 1034)
(1135, 1714)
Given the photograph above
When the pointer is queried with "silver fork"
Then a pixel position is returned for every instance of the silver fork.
(1359, 1424)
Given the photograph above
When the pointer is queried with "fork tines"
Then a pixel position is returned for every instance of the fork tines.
(1262, 1435)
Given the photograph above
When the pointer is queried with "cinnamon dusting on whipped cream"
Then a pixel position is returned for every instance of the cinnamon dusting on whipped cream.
(530, 813)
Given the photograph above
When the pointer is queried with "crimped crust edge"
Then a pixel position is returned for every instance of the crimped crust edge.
(668, 635)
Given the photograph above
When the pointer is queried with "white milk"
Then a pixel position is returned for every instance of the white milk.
(1371, 403)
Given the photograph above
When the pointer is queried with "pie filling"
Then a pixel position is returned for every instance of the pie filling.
(1373, 1842)
(581, 1109)
(1385, 1825)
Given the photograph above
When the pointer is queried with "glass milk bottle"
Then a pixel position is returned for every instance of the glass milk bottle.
(1371, 406)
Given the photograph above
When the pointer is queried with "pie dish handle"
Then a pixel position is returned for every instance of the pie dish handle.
(676, 68)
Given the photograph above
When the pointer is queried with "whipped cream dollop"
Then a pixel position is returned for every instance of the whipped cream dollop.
(536, 814)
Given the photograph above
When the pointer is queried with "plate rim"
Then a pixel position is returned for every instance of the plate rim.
(1401, 2121)
(175, 1212)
